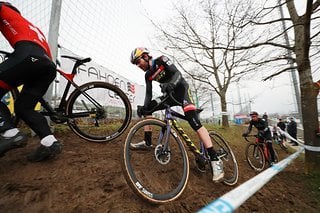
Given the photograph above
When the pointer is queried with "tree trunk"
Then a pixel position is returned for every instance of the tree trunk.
(308, 106)
(308, 91)
(225, 120)
(310, 119)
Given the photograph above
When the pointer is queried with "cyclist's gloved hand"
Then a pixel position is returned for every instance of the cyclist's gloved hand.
(261, 133)
(167, 87)
(245, 134)
(140, 110)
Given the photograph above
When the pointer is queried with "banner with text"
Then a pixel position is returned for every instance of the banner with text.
(92, 71)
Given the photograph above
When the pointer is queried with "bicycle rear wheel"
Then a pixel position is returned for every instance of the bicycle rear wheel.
(98, 111)
(255, 157)
(230, 165)
(157, 175)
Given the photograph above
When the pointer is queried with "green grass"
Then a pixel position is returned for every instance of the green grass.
(233, 134)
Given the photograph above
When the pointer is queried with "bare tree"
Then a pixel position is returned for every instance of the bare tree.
(201, 93)
(218, 44)
(195, 35)
(301, 48)
(295, 56)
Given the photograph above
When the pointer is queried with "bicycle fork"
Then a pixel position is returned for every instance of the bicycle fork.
(162, 150)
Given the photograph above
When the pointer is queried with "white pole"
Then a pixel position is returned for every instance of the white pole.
(53, 40)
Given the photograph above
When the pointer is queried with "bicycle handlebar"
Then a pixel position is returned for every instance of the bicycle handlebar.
(166, 97)
(255, 135)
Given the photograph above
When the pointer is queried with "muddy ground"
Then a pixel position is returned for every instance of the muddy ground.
(87, 177)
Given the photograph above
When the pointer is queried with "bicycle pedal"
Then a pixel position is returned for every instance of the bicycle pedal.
(221, 155)
(201, 164)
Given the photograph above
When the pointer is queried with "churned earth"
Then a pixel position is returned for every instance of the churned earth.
(87, 177)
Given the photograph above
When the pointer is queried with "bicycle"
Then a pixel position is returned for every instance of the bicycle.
(257, 153)
(278, 138)
(87, 109)
(160, 175)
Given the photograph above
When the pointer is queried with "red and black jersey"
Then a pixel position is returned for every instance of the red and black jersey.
(260, 124)
(162, 71)
(16, 28)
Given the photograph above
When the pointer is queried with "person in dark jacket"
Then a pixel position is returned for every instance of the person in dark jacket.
(292, 131)
(282, 126)
(265, 117)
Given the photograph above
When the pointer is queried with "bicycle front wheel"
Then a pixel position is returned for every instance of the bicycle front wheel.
(255, 157)
(283, 146)
(230, 165)
(98, 111)
(158, 174)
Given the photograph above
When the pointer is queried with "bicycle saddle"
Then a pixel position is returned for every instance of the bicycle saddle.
(198, 110)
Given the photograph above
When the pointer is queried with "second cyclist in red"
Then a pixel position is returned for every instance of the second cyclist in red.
(29, 65)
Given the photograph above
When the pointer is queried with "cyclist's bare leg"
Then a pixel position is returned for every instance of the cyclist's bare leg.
(216, 163)
(146, 143)
(204, 137)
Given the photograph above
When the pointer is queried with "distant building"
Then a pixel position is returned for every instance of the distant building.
(240, 118)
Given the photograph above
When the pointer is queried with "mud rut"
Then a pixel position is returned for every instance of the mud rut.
(87, 177)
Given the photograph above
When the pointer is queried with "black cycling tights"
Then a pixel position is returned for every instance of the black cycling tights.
(30, 66)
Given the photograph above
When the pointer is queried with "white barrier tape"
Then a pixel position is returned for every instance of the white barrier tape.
(283, 133)
(300, 142)
(236, 197)
(312, 148)
(287, 135)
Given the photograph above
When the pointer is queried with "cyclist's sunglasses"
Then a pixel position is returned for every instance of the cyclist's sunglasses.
(138, 60)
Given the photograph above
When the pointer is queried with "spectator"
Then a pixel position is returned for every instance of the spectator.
(282, 126)
(292, 131)
(29, 65)
(265, 118)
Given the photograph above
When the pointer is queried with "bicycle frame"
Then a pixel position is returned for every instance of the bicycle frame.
(84, 106)
(143, 169)
(69, 77)
(263, 146)
(171, 120)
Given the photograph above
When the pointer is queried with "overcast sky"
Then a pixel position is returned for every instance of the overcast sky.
(271, 96)
(102, 43)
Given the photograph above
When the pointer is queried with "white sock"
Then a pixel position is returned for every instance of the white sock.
(10, 133)
(48, 140)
